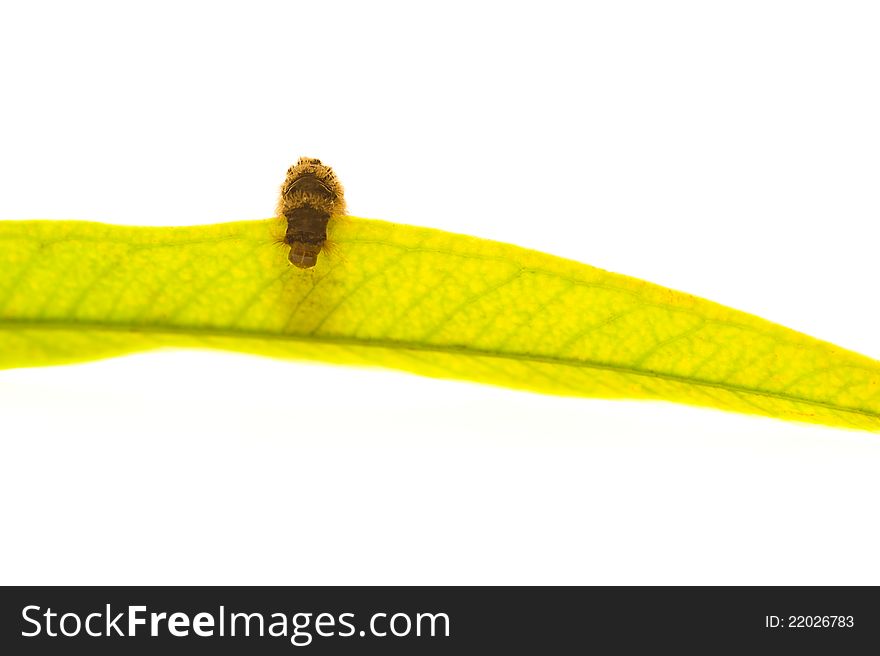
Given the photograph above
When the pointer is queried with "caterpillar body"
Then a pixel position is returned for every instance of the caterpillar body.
(310, 195)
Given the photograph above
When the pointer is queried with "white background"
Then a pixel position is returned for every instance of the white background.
(726, 149)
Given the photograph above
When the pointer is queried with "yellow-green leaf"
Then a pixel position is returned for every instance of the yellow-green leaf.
(411, 298)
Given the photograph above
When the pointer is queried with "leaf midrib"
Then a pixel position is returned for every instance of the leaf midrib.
(158, 329)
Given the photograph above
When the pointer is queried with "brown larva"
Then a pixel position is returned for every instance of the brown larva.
(310, 195)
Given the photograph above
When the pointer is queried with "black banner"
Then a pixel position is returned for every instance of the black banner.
(431, 620)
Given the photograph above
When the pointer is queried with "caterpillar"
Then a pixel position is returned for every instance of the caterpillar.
(310, 195)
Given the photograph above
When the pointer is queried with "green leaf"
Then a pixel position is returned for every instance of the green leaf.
(421, 300)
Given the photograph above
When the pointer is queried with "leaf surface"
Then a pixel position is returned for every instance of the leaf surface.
(417, 299)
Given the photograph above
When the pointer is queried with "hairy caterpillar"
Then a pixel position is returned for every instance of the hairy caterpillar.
(310, 195)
